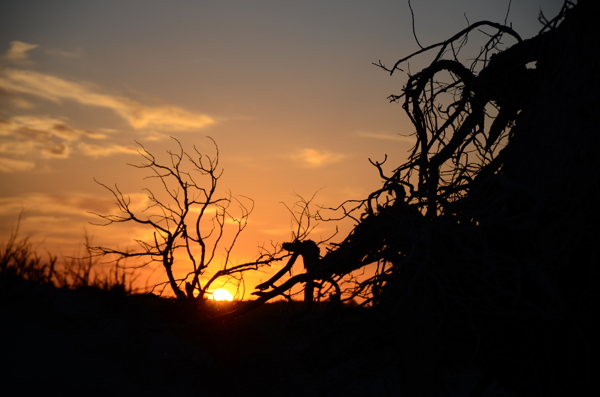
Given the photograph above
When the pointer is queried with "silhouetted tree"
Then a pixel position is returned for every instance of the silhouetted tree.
(187, 220)
(485, 240)
(502, 271)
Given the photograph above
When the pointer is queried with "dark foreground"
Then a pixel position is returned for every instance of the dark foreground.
(96, 343)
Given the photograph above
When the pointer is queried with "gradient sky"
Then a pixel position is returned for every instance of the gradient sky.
(286, 89)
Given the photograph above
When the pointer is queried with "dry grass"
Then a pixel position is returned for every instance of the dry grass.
(21, 261)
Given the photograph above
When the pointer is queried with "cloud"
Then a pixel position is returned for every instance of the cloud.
(165, 117)
(276, 232)
(49, 136)
(18, 148)
(11, 165)
(384, 136)
(21, 103)
(107, 150)
(44, 127)
(56, 222)
(18, 51)
(57, 218)
(109, 130)
(60, 205)
(52, 138)
(75, 54)
(317, 158)
(12, 101)
(58, 151)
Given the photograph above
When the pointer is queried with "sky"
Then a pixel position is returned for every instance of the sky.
(286, 89)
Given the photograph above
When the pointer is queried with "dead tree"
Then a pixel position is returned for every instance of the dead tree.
(188, 218)
(309, 251)
(490, 258)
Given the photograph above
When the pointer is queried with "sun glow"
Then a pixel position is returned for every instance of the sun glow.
(221, 294)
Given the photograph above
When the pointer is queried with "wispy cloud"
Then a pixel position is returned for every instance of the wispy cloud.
(19, 138)
(67, 204)
(18, 51)
(317, 158)
(44, 127)
(45, 216)
(57, 151)
(21, 103)
(384, 136)
(48, 137)
(18, 147)
(67, 54)
(53, 137)
(165, 117)
(11, 165)
(276, 232)
(106, 150)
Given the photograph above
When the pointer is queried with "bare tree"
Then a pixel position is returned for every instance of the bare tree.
(194, 226)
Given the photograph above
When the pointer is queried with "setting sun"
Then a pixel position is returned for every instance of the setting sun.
(221, 294)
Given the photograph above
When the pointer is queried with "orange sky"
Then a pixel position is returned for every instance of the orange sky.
(286, 89)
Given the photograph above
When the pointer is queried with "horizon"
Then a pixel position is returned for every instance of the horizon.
(287, 91)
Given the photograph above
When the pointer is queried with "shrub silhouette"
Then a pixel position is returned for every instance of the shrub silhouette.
(20, 261)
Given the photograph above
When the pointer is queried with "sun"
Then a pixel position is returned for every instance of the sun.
(221, 294)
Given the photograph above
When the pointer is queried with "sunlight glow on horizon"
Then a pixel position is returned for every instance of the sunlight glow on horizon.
(286, 89)
(221, 294)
